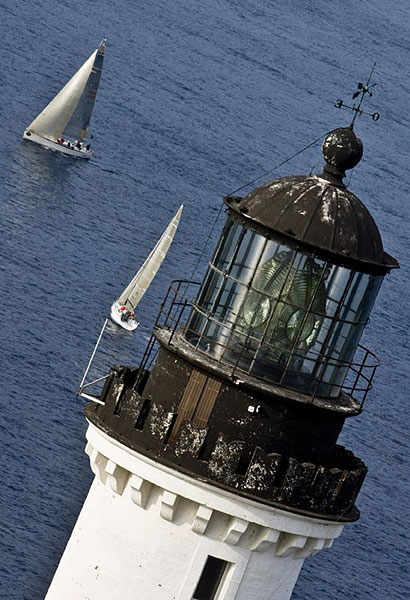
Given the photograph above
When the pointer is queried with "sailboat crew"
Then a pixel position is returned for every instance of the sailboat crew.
(126, 314)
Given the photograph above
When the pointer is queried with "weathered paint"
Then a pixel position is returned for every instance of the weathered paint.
(283, 454)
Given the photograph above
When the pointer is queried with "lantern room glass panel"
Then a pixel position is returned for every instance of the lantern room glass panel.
(280, 314)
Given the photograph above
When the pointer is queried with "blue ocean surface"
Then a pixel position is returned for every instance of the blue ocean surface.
(196, 99)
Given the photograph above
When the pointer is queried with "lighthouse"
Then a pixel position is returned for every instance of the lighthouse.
(216, 462)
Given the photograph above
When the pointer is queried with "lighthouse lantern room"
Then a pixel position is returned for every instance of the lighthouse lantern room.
(217, 467)
(295, 275)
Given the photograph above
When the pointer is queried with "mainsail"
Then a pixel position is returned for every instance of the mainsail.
(70, 111)
(139, 284)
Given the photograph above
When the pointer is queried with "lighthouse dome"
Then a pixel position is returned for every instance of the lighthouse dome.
(318, 211)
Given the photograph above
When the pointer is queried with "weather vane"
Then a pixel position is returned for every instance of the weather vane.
(361, 91)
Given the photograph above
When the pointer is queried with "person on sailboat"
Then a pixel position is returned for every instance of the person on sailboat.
(124, 313)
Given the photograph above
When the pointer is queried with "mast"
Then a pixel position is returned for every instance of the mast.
(77, 127)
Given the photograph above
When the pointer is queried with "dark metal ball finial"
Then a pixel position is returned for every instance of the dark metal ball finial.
(342, 150)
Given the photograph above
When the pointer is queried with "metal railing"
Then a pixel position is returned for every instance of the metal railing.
(357, 375)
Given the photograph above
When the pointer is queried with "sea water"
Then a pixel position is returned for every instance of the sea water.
(196, 99)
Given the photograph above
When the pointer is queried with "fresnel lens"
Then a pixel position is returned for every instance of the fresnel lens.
(276, 308)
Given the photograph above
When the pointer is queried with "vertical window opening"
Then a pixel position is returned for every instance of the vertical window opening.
(142, 417)
(211, 579)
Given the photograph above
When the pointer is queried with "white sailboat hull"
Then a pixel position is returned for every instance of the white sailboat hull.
(116, 313)
(38, 139)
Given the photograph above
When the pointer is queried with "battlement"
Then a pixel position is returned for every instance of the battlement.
(324, 490)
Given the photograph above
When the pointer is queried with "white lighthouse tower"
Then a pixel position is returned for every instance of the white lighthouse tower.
(217, 468)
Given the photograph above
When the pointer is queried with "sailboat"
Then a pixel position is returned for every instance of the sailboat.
(123, 309)
(69, 113)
